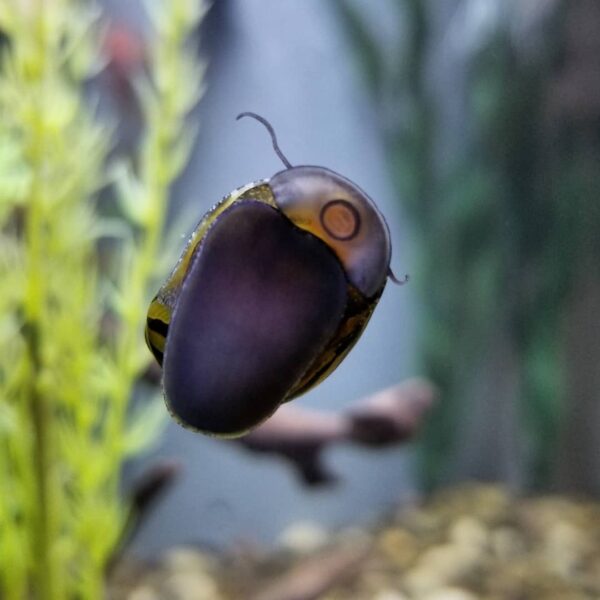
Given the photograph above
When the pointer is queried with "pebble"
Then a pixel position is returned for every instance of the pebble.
(303, 537)
(450, 593)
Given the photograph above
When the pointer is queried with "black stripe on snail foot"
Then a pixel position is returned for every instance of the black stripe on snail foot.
(260, 301)
(156, 352)
(158, 355)
(159, 326)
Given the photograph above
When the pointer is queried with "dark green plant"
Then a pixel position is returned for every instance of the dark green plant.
(71, 330)
(504, 226)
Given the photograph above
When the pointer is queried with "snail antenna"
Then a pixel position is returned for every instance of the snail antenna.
(271, 131)
(395, 279)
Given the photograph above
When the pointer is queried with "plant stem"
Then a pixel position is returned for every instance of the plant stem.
(39, 404)
(40, 413)
(42, 463)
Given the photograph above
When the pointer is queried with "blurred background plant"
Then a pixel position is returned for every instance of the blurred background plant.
(491, 112)
(72, 313)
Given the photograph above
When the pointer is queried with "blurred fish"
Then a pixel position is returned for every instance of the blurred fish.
(390, 416)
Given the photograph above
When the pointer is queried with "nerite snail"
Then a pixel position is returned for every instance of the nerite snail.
(274, 287)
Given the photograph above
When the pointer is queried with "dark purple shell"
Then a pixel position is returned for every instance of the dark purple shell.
(260, 301)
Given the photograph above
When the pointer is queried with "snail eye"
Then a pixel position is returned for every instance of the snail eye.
(340, 219)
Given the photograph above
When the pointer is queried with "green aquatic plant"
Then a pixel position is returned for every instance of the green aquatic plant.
(72, 304)
(494, 167)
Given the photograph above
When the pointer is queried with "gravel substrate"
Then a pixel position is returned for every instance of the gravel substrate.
(462, 544)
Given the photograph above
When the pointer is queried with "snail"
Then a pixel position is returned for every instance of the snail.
(273, 289)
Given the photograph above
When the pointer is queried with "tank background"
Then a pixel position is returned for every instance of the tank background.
(289, 62)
